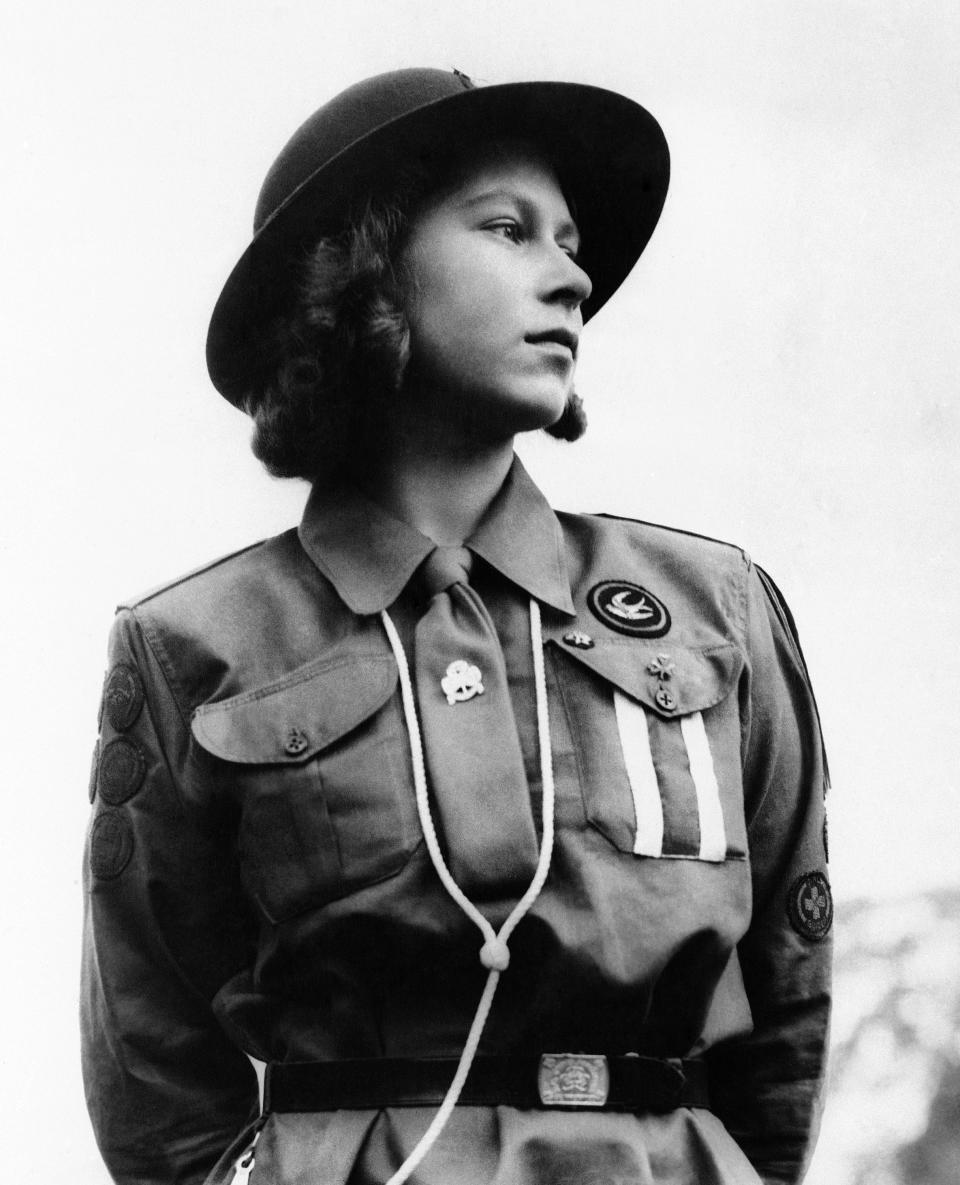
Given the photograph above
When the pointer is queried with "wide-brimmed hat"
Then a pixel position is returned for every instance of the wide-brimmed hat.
(609, 151)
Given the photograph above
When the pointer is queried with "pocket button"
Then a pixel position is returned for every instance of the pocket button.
(296, 742)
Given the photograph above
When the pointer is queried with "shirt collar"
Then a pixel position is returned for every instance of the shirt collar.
(519, 536)
(369, 556)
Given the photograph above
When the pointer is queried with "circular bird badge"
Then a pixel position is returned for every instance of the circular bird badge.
(629, 609)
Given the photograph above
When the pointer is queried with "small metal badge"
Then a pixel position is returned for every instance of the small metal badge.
(662, 666)
(579, 640)
(573, 1079)
(461, 682)
(629, 608)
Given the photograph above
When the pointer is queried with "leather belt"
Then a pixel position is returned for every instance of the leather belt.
(567, 1080)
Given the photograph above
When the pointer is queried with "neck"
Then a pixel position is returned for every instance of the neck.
(438, 481)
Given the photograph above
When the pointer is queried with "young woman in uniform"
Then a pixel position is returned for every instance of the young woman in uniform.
(497, 833)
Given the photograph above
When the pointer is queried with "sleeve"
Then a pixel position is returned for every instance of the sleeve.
(166, 1089)
(768, 1087)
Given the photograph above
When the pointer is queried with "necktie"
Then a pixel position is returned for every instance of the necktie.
(470, 741)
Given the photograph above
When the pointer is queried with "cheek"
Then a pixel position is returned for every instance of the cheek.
(454, 314)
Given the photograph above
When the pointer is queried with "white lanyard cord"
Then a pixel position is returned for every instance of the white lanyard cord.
(494, 953)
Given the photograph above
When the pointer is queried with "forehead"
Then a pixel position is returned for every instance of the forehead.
(504, 167)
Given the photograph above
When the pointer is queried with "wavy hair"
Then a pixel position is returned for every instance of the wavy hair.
(338, 354)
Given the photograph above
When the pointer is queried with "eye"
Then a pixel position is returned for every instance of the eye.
(509, 229)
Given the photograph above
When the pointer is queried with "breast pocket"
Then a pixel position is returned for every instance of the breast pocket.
(657, 733)
(318, 763)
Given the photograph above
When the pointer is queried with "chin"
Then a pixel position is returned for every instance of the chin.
(532, 410)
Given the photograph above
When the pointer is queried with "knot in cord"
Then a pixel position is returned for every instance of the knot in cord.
(495, 955)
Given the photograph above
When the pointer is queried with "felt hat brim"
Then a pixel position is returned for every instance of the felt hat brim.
(610, 153)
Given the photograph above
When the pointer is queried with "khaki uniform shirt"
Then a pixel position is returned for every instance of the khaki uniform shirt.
(257, 881)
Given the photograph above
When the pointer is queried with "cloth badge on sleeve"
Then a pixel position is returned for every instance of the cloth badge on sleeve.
(629, 609)
(810, 906)
(111, 845)
(122, 766)
(94, 767)
(123, 696)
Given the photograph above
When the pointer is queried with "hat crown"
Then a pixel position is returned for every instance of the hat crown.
(350, 116)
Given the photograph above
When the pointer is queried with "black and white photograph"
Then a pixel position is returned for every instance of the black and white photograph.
(481, 594)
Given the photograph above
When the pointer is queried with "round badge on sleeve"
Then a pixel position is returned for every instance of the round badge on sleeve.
(122, 767)
(810, 906)
(629, 609)
(123, 696)
(111, 845)
(94, 770)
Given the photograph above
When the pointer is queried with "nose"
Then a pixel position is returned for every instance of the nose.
(567, 283)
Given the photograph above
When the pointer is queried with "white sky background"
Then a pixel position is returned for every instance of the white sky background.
(780, 370)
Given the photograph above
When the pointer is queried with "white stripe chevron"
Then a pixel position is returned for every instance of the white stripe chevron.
(635, 743)
(713, 837)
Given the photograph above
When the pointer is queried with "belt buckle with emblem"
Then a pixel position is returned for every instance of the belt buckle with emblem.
(573, 1079)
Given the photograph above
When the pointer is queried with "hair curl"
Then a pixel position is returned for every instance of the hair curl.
(338, 354)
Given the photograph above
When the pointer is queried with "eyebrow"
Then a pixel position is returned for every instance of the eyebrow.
(524, 204)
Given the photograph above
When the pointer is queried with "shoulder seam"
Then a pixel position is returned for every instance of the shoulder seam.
(782, 610)
(149, 646)
(673, 530)
(154, 645)
(142, 598)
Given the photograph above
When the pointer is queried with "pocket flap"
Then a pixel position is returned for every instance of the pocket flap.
(696, 677)
(294, 717)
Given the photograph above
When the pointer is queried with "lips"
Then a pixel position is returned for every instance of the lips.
(560, 337)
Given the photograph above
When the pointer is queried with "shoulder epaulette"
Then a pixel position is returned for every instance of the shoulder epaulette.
(142, 598)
